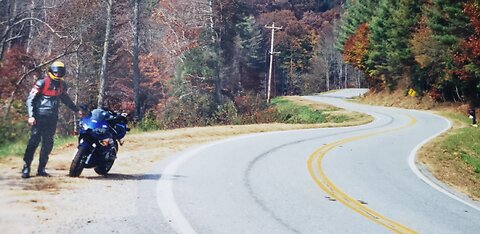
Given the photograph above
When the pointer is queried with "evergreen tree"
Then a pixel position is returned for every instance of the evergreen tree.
(391, 27)
(356, 13)
(193, 99)
(251, 61)
(449, 26)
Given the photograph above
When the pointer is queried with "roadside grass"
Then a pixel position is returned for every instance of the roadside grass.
(455, 157)
(17, 148)
(293, 113)
(464, 143)
(14, 148)
(308, 112)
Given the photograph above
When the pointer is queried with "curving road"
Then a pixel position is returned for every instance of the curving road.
(361, 179)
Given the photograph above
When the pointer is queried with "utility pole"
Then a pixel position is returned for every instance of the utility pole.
(271, 59)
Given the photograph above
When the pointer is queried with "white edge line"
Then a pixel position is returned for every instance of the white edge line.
(166, 201)
(414, 168)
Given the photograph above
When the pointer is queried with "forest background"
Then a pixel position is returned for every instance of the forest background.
(182, 63)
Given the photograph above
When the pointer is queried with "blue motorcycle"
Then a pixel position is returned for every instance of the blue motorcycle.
(100, 134)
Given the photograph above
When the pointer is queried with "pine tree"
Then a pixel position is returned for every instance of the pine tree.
(251, 61)
(449, 26)
(391, 27)
(356, 13)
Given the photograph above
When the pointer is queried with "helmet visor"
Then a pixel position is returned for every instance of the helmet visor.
(58, 71)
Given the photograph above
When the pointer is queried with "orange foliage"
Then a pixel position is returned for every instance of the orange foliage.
(356, 47)
(467, 59)
(12, 68)
(421, 44)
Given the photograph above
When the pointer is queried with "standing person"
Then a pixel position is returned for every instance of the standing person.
(42, 103)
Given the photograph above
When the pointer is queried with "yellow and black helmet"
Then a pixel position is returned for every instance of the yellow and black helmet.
(56, 70)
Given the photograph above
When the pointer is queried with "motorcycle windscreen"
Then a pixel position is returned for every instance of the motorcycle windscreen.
(97, 122)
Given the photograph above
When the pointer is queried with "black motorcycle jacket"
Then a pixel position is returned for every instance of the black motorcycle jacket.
(45, 96)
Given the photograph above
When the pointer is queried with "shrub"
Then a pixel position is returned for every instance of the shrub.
(226, 114)
(149, 122)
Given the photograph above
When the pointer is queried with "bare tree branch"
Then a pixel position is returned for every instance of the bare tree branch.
(43, 22)
(18, 15)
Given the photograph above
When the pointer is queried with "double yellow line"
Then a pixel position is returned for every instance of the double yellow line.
(314, 165)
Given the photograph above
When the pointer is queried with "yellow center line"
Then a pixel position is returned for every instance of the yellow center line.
(314, 165)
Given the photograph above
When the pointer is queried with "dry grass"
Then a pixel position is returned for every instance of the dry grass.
(398, 98)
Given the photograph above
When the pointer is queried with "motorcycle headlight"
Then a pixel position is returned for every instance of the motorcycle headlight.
(106, 141)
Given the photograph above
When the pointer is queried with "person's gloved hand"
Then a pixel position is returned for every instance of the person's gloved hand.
(32, 121)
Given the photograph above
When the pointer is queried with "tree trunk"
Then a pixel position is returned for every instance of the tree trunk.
(6, 32)
(10, 33)
(211, 21)
(77, 87)
(327, 75)
(357, 77)
(103, 69)
(30, 29)
(136, 69)
(340, 73)
(346, 75)
(216, 43)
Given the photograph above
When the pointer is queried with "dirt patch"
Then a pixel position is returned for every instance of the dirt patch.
(45, 205)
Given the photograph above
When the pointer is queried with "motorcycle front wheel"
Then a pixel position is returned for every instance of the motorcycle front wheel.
(104, 168)
(77, 165)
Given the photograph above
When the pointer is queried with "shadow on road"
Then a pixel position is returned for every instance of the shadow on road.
(116, 176)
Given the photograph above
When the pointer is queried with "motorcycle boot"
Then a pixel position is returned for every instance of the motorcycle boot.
(26, 171)
(43, 173)
(41, 169)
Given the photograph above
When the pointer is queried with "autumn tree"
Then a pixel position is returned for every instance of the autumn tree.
(467, 57)
(296, 42)
(355, 49)
(355, 14)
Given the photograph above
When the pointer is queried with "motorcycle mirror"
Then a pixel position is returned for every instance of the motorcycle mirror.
(84, 107)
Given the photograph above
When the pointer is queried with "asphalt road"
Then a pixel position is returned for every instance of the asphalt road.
(361, 179)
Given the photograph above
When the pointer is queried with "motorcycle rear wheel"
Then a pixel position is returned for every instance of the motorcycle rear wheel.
(77, 165)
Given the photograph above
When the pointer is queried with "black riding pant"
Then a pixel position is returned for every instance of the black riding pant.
(43, 131)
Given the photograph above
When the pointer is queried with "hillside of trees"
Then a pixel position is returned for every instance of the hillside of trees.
(433, 45)
(178, 63)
